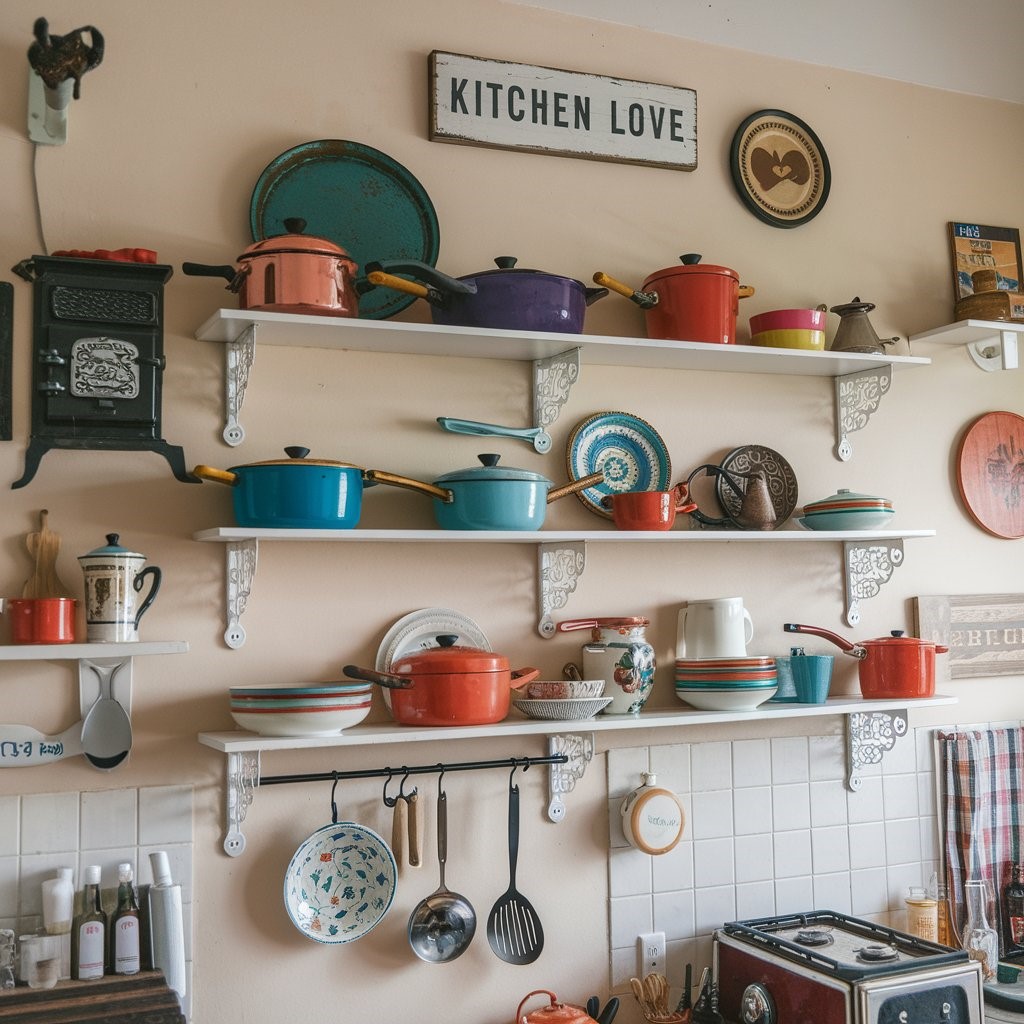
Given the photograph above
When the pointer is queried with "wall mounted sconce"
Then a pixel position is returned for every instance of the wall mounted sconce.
(57, 64)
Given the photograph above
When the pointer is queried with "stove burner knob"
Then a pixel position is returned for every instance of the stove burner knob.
(757, 1006)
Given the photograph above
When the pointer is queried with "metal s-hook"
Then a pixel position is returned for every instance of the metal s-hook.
(402, 795)
(389, 801)
(334, 804)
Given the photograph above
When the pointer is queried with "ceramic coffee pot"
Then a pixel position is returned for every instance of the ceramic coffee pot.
(114, 578)
(620, 654)
(855, 333)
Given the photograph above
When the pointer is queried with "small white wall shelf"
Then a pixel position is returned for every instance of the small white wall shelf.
(860, 379)
(22, 746)
(872, 729)
(992, 344)
(869, 557)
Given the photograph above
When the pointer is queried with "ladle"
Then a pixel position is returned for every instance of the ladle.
(442, 925)
(107, 729)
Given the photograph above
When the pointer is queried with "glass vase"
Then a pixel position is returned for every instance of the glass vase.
(979, 938)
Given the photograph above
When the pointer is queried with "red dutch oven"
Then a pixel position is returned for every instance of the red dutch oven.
(894, 666)
(449, 685)
(692, 302)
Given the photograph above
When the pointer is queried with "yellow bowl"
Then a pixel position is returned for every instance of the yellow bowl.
(792, 338)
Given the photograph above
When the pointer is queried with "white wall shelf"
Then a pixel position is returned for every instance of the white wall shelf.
(860, 379)
(872, 728)
(992, 344)
(869, 557)
(22, 746)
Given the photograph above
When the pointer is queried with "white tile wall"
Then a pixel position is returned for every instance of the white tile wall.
(42, 832)
(770, 828)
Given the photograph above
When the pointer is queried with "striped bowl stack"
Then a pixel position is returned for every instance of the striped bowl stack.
(320, 709)
(726, 684)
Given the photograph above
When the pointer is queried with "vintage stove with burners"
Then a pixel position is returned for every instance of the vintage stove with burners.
(824, 967)
(97, 358)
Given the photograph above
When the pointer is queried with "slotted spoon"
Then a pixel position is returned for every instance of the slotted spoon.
(513, 927)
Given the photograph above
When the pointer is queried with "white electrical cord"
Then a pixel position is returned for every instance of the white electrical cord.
(35, 195)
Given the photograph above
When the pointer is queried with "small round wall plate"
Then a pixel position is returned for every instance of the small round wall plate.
(778, 474)
(779, 168)
(990, 473)
(629, 451)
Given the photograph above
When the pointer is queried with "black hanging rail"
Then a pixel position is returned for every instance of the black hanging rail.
(406, 770)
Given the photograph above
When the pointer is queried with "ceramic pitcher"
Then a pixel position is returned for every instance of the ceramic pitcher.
(620, 654)
(719, 628)
(114, 579)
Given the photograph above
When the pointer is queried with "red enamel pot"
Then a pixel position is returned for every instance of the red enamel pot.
(691, 302)
(894, 666)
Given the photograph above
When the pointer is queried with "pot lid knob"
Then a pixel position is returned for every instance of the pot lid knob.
(898, 632)
(296, 451)
(295, 225)
(489, 459)
(505, 262)
(690, 259)
(447, 639)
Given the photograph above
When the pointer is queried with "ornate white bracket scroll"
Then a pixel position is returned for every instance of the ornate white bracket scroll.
(562, 778)
(869, 735)
(238, 359)
(869, 566)
(553, 379)
(858, 396)
(240, 571)
(559, 569)
(243, 776)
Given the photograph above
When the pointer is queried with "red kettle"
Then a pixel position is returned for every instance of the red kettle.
(554, 1013)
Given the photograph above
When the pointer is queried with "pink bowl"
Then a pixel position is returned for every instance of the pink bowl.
(789, 319)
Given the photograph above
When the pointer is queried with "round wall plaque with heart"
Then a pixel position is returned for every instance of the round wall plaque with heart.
(779, 168)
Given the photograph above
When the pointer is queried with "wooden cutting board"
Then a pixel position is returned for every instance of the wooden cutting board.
(990, 473)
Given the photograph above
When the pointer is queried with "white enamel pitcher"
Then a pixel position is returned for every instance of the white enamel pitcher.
(718, 628)
(114, 578)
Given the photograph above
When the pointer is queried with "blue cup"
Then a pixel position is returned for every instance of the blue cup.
(812, 676)
(786, 693)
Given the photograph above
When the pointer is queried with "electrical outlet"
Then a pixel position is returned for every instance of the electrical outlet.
(650, 953)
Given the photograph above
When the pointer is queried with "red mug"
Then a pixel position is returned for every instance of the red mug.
(40, 620)
(648, 510)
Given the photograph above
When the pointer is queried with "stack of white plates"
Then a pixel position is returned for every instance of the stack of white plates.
(726, 684)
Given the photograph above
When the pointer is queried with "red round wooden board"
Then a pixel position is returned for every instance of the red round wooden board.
(990, 473)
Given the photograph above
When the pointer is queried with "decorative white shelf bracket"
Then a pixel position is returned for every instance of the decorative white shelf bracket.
(240, 571)
(239, 356)
(560, 567)
(243, 776)
(869, 566)
(553, 379)
(858, 396)
(562, 778)
(869, 735)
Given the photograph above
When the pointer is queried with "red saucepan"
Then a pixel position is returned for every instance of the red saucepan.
(449, 685)
(692, 302)
(893, 666)
(292, 273)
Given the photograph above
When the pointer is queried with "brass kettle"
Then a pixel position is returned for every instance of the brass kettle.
(855, 333)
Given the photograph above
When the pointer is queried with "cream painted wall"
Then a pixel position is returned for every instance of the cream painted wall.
(191, 102)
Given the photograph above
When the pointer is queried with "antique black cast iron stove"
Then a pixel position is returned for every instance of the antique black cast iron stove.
(97, 358)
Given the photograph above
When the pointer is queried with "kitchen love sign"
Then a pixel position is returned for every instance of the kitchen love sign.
(496, 103)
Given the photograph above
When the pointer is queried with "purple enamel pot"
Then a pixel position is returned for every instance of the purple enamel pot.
(507, 298)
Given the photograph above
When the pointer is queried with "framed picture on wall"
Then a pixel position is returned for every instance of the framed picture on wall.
(976, 247)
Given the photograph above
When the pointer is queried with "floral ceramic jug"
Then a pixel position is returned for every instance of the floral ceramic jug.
(114, 579)
(620, 654)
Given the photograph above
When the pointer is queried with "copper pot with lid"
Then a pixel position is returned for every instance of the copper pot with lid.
(291, 273)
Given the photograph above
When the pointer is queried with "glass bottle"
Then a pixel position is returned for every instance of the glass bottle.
(59, 913)
(1013, 908)
(979, 938)
(922, 914)
(124, 925)
(90, 931)
(946, 933)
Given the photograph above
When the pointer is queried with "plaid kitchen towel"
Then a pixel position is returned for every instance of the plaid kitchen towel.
(983, 783)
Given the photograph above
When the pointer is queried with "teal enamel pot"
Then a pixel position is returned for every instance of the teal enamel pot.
(488, 496)
(296, 492)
